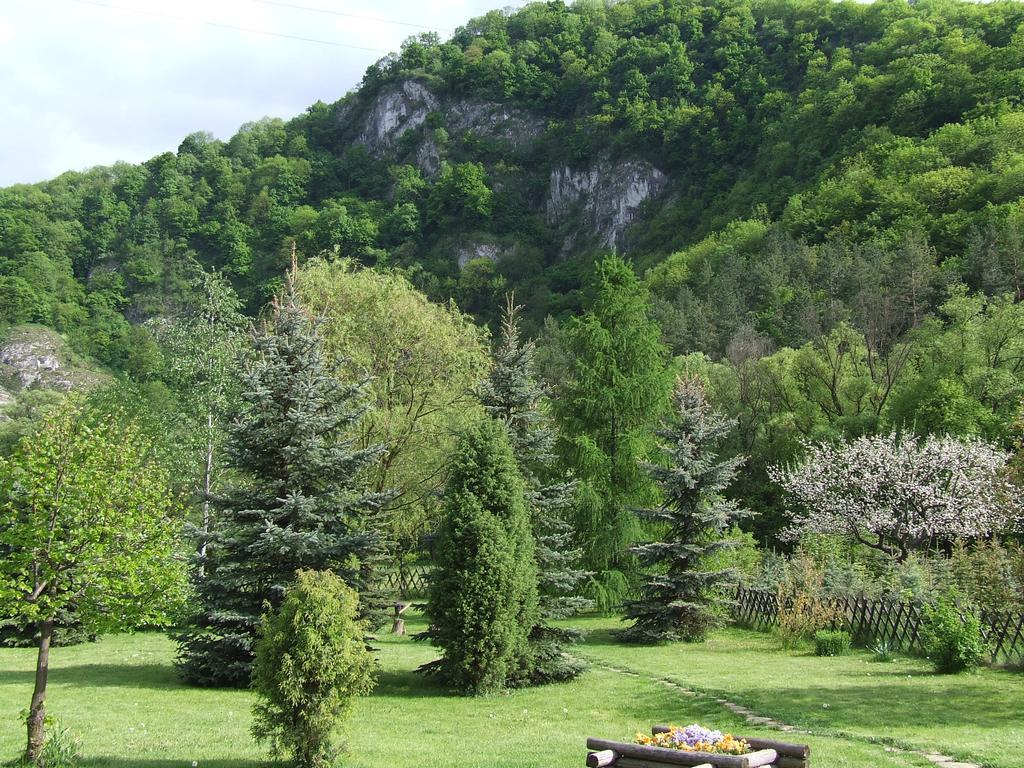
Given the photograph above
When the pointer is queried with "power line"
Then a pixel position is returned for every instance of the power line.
(345, 14)
(220, 25)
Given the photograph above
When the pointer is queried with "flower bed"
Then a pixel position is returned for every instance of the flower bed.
(696, 747)
(695, 738)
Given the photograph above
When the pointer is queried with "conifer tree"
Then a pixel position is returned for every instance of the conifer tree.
(513, 395)
(483, 598)
(605, 410)
(296, 500)
(682, 599)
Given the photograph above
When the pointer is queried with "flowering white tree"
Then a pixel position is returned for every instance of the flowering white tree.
(899, 495)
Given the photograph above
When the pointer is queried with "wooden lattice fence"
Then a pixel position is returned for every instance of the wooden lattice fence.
(895, 623)
(408, 583)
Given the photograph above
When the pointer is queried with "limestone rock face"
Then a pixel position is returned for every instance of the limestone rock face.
(395, 112)
(473, 251)
(33, 357)
(495, 121)
(404, 107)
(590, 206)
(606, 195)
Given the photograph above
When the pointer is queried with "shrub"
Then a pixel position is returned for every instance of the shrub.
(311, 663)
(831, 642)
(802, 611)
(952, 640)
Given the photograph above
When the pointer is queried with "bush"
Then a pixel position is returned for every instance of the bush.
(952, 640)
(311, 663)
(802, 610)
(831, 642)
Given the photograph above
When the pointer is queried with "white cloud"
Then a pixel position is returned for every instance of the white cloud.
(87, 84)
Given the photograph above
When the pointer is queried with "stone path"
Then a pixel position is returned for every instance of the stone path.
(753, 718)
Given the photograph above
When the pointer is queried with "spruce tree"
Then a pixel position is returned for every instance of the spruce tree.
(483, 597)
(513, 395)
(682, 599)
(605, 411)
(296, 500)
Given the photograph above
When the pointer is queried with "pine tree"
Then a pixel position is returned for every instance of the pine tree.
(682, 599)
(483, 598)
(513, 395)
(604, 411)
(296, 500)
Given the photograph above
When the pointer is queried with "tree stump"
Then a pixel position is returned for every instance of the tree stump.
(398, 628)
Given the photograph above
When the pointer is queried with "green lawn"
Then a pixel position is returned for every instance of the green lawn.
(977, 717)
(122, 696)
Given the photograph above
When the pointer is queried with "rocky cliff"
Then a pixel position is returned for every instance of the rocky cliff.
(33, 357)
(589, 205)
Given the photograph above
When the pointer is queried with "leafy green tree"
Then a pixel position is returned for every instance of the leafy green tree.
(617, 387)
(202, 349)
(483, 597)
(87, 524)
(682, 598)
(460, 196)
(297, 497)
(513, 395)
(311, 664)
(422, 362)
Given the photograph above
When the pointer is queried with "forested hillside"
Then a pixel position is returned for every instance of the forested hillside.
(824, 197)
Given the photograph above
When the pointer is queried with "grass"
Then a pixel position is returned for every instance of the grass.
(976, 717)
(122, 697)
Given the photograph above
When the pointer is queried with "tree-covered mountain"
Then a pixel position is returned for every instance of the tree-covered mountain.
(779, 166)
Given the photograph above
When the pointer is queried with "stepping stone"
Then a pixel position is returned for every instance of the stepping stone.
(935, 757)
(787, 728)
(954, 764)
(760, 720)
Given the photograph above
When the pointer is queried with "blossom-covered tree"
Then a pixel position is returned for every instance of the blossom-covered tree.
(900, 495)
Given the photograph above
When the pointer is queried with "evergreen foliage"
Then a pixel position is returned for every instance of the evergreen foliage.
(311, 664)
(513, 395)
(682, 599)
(616, 387)
(483, 598)
(296, 499)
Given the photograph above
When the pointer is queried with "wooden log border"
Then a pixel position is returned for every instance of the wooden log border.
(661, 756)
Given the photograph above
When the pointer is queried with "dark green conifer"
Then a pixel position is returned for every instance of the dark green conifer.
(682, 598)
(513, 395)
(295, 500)
(613, 393)
(483, 597)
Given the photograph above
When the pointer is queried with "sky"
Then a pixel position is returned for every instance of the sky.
(91, 82)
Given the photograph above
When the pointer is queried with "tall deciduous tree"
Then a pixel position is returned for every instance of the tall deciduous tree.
(202, 349)
(483, 598)
(422, 361)
(898, 496)
(297, 499)
(616, 389)
(513, 395)
(681, 598)
(86, 525)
